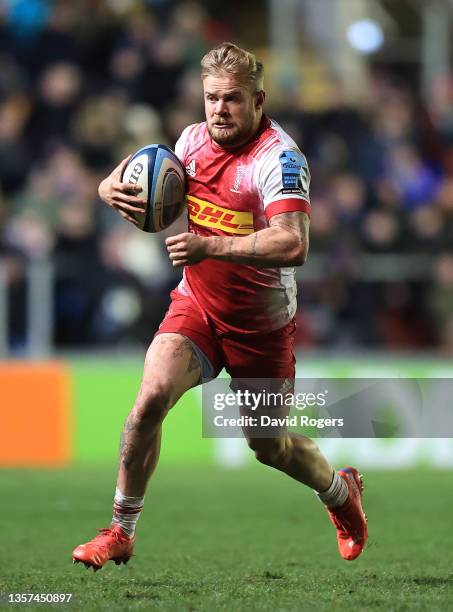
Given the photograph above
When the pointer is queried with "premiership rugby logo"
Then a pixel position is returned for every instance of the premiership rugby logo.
(207, 214)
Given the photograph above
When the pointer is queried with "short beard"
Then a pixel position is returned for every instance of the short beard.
(235, 139)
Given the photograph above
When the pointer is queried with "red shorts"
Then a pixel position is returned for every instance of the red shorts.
(257, 355)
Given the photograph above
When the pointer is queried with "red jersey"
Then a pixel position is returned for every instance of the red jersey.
(235, 193)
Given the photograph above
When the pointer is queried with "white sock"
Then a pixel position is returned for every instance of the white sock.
(336, 494)
(126, 512)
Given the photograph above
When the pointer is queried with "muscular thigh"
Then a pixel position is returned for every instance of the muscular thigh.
(171, 366)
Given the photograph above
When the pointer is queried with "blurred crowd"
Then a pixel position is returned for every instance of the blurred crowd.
(84, 84)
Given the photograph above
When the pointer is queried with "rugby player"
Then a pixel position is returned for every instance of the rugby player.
(248, 200)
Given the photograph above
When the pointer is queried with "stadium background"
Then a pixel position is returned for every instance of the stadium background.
(81, 292)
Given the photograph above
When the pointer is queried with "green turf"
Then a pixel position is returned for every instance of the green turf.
(233, 541)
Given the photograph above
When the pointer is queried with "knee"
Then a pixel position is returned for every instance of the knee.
(152, 405)
(269, 451)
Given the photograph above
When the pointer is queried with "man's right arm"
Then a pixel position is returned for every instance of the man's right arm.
(123, 197)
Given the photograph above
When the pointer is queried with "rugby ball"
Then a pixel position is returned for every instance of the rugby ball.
(162, 178)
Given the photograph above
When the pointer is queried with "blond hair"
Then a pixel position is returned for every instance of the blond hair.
(228, 57)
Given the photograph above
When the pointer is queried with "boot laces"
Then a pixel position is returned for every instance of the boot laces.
(105, 536)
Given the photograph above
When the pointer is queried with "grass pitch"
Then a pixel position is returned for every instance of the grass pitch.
(250, 540)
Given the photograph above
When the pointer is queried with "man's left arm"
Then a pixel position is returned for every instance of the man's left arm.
(283, 244)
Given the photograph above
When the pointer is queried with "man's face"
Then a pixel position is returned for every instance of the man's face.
(233, 111)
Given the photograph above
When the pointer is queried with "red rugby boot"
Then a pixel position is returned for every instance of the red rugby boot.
(111, 543)
(350, 519)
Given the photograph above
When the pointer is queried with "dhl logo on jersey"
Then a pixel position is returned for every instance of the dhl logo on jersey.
(210, 215)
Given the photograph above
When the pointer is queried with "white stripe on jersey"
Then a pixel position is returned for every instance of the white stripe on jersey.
(269, 142)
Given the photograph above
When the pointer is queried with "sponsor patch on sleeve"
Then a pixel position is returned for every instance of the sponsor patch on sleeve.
(294, 173)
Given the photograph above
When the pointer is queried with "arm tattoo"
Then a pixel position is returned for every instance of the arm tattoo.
(230, 248)
(294, 222)
(255, 238)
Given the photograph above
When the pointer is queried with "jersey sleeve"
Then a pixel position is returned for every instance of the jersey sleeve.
(181, 144)
(284, 182)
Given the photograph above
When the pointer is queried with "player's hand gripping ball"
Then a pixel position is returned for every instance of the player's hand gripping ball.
(147, 188)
